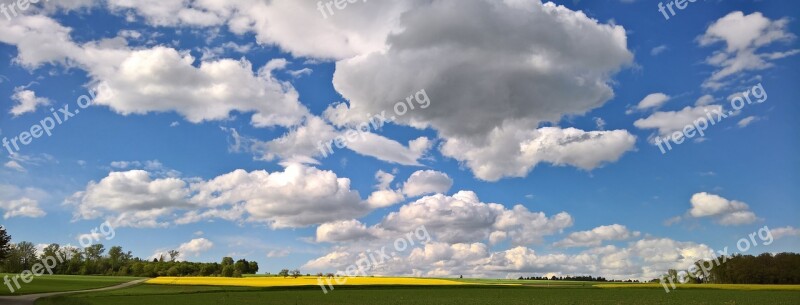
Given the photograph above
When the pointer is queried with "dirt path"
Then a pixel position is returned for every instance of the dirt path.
(29, 299)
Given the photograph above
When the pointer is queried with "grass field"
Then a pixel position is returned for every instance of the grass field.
(300, 281)
(421, 295)
(704, 286)
(56, 283)
(524, 283)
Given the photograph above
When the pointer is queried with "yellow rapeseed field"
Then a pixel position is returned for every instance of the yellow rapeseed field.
(300, 281)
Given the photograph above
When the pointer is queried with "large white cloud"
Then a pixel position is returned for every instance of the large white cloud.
(743, 36)
(346, 230)
(158, 79)
(669, 122)
(787, 231)
(21, 202)
(427, 182)
(22, 207)
(460, 218)
(133, 197)
(512, 152)
(463, 218)
(186, 251)
(726, 212)
(299, 196)
(487, 87)
(642, 259)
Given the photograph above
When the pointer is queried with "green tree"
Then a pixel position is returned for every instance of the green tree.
(173, 255)
(227, 261)
(26, 252)
(284, 273)
(137, 269)
(172, 271)
(243, 266)
(5, 243)
(115, 256)
(94, 252)
(227, 271)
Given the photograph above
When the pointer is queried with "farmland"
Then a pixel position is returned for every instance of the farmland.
(58, 283)
(300, 281)
(410, 294)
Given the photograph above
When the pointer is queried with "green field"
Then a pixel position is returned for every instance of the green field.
(524, 282)
(57, 283)
(455, 295)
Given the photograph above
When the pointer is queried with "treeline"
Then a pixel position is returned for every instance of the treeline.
(582, 278)
(94, 260)
(781, 268)
(579, 278)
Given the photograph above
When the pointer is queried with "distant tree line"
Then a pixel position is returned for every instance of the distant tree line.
(781, 268)
(766, 268)
(582, 278)
(579, 278)
(94, 260)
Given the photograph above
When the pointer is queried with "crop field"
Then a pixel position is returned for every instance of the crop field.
(57, 283)
(300, 281)
(419, 295)
(704, 286)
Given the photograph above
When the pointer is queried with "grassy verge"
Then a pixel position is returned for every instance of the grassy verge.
(58, 283)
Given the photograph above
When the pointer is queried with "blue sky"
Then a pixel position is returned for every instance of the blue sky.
(551, 108)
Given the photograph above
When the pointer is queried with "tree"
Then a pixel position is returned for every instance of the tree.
(227, 261)
(94, 252)
(672, 274)
(243, 266)
(137, 269)
(227, 271)
(173, 255)
(27, 254)
(284, 273)
(5, 243)
(115, 256)
(296, 273)
(172, 271)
